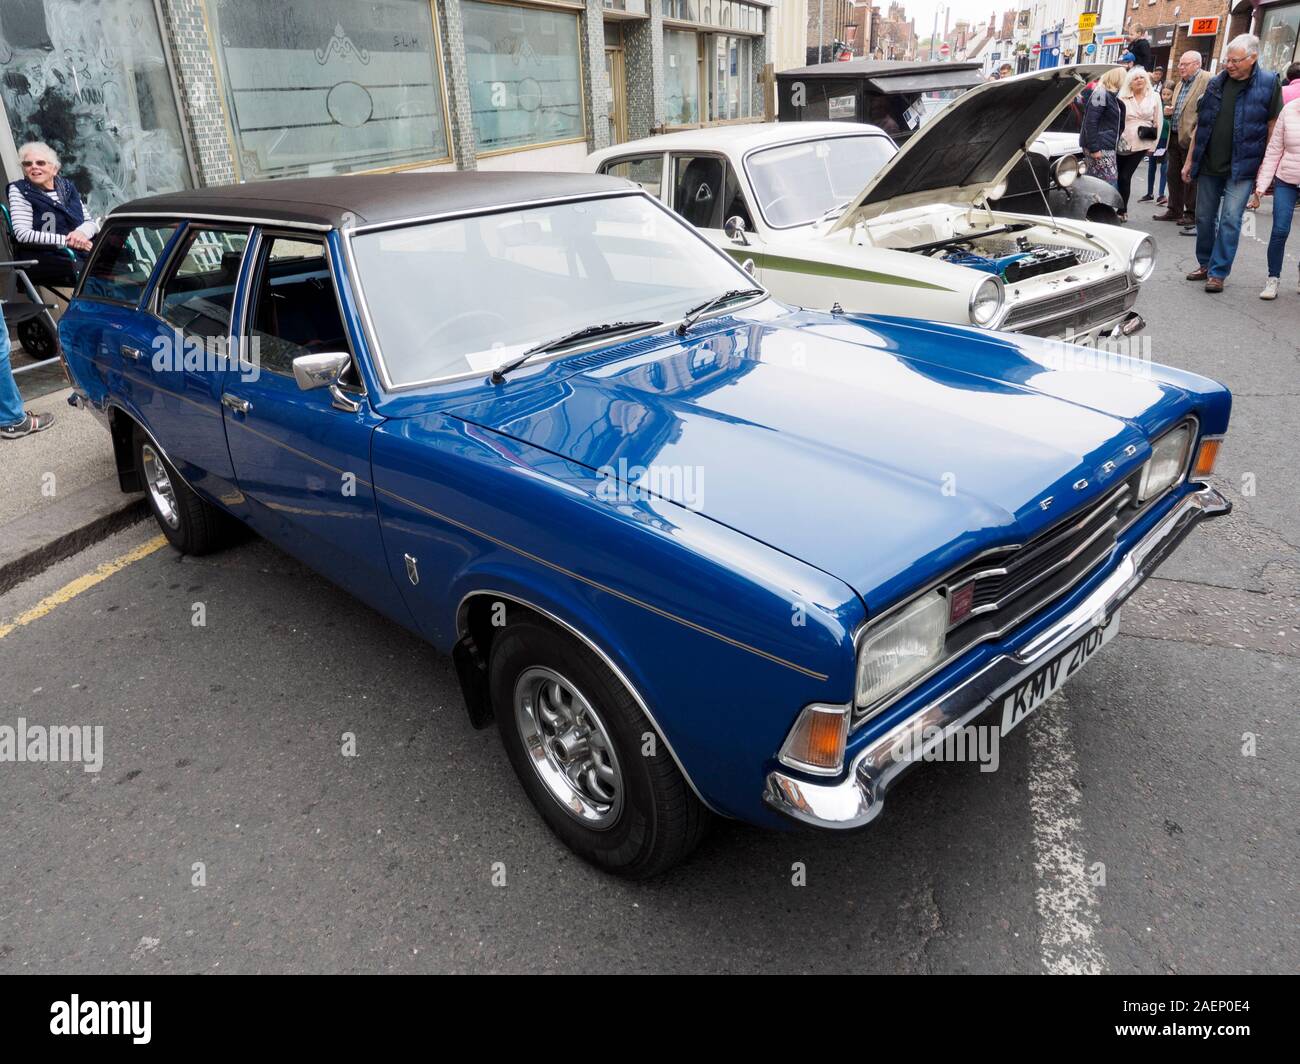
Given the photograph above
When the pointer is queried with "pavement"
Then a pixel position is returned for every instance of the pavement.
(1143, 820)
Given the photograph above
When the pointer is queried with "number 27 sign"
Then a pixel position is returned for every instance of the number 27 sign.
(1203, 27)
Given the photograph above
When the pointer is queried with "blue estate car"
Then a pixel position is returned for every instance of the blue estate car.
(692, 549)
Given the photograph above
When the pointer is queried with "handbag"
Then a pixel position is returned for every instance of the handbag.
(1148, 133)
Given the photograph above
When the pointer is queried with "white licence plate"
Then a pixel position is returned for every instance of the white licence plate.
(1036, 687)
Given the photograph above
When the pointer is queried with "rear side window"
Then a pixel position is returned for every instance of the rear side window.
(646, 170)
(198, 295)
(124, 261)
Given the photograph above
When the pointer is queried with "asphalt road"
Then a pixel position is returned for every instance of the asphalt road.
(1125, 830)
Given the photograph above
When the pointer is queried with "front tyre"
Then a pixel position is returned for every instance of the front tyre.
(191, 524)
(590, 761)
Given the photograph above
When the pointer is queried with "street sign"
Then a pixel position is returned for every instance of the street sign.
(1085, 36)
(944, 49)
(1089, 48)
(1088, 20)
(1204, 27)
(1036, 49)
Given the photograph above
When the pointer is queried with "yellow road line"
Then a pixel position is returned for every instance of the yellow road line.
(71, 590)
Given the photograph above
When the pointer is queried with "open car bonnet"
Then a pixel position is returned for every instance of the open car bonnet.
(971, 145)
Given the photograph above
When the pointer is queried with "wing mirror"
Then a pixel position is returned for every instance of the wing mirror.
(735, 228)
(325, 370)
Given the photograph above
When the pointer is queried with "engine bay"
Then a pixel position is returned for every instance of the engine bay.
(1027, 260)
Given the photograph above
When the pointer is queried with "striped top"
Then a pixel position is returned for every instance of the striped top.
(20, 213)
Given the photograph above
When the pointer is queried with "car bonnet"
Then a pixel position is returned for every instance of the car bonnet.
(823, 439)
(971, 145)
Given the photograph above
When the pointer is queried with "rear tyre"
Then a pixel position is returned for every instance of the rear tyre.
(589, 759)
(191, 524)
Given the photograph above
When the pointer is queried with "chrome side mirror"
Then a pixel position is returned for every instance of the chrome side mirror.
(325, 370)
(735, 228)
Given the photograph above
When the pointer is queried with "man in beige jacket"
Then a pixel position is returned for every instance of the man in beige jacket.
(1181, 96)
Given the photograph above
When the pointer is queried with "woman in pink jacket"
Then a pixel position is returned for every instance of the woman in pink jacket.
(1281, 165)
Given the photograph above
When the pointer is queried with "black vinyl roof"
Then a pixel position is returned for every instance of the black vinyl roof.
(362, 199)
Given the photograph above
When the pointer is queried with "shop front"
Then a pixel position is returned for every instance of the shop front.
(1278, 29)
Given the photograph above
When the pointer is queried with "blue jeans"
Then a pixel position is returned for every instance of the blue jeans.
(1154, 164)
(11, 403)
(1220, 203)
(1284, 200)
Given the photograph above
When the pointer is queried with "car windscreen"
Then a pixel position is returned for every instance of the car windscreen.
(798, 183)
(464, 295)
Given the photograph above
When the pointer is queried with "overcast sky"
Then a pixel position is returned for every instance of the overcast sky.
(973, 11)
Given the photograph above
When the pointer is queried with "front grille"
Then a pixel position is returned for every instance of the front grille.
(1081, 321)
(1011, 585)
(1066, 304)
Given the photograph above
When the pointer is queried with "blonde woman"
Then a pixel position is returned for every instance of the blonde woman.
(1103, 124)
(1141, 132)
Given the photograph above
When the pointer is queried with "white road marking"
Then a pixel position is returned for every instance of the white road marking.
(1067, 900)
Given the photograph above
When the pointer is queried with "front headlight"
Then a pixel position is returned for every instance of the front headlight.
(1167, 462)
(1066, 170)
(1142, 260)
(902, 647)
(986, 301)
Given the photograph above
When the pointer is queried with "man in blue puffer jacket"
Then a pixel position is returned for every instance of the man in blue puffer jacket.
(1234, 121)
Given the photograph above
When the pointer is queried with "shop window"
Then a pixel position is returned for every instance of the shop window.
(681, 77)
(525, 75)
(1277, 38)
(316, 87)
(90, 78)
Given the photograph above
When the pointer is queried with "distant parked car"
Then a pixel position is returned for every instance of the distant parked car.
(832, 213)
(693, 549)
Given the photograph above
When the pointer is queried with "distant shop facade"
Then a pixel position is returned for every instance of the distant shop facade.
(143, 96)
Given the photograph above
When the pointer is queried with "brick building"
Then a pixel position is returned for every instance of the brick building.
(142, 96)
(828, 24)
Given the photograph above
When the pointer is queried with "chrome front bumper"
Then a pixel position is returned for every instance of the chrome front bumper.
(856, 799)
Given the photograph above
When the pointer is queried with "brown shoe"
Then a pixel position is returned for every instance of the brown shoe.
(1187, 219)
(1198, 274)
(1168, 216)
(1214, 284)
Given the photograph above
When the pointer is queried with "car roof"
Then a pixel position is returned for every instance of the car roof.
(736, 139)
(873, 68)
(363, 199)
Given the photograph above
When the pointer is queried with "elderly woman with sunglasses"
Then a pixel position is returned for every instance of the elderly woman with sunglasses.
(48, 218)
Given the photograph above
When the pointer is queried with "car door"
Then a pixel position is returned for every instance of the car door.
(705, 190)
(173, 351)
(302, 457)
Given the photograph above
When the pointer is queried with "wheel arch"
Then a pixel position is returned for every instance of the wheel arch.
(475, 631)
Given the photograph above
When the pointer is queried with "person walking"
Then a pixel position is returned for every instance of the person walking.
(1281, 165)
(15, 422)
(1158, 160)
(1234, 125)
(1181, 101)
(1103, 125)
(1141, 130)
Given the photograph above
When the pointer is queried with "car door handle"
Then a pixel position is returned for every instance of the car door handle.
(238, 405)
(133, 353)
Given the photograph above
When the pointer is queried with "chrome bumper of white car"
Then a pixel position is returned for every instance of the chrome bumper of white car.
(856, 800)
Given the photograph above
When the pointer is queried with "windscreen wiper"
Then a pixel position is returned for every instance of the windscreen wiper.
(695, 313)
(585, 333)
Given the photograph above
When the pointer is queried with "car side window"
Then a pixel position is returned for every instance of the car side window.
(199, 294)
(706, 191)
(294, 310)
(646, 170)
(124, 260)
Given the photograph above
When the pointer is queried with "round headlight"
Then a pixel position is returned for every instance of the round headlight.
(986, 301)
(1142, 260)
(1066, 170)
